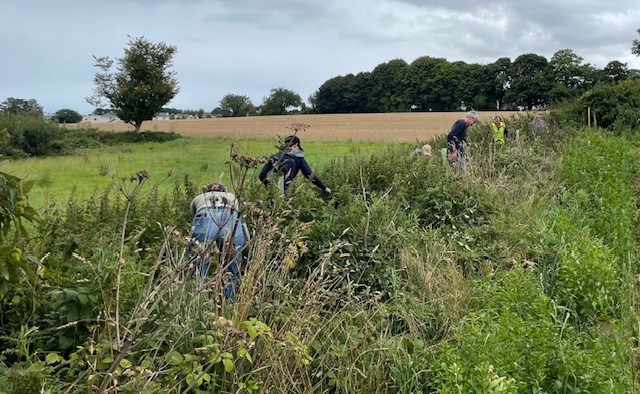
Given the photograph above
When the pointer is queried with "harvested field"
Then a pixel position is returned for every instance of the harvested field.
(406, 126)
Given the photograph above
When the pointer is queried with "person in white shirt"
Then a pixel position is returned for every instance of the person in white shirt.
(215, 219)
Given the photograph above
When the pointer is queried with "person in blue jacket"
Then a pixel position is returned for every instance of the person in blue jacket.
(457, 139)
(287, 163)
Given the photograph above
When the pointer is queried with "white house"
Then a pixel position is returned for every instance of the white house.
(161, 116)
(104, 118)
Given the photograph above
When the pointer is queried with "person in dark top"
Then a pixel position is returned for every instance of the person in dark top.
(457, 139)
(287, 163)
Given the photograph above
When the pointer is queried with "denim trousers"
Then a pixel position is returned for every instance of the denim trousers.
(217, 225)
(460, 162)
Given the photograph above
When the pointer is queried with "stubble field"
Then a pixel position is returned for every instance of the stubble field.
(392, 127)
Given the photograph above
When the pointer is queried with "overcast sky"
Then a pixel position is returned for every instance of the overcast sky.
(249, 47)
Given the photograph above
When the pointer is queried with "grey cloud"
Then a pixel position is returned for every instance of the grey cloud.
(249, 47)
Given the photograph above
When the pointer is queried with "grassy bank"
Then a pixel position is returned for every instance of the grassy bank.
(517, 276)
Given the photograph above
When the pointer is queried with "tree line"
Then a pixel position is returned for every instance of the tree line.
(144, 83)
(435, 84)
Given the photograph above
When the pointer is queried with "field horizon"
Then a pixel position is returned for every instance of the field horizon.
(391, 127)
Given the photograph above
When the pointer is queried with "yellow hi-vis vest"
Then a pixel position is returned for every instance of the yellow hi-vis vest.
(498, 132)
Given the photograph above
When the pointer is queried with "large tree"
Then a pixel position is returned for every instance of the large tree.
(236, 105)
(530, 80)
(67, 115)
(279, 100)
(345, 94)
(142, 83)
(21, 106)
(571, 77)
(387, 93)
(615, 71)
(418, 79)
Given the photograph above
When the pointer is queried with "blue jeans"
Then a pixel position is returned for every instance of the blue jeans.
(216, 225)
(459, 162)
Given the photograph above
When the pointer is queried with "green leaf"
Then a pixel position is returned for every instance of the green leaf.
(4, 272)
(228, 364)
(83, 298)
(27, 185)
(53, 358)
(243, 353)
(173, 358)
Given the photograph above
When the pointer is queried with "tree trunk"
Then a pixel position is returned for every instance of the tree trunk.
(137, 125)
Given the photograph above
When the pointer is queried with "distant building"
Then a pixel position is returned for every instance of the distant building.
(104, 118)
(185, 116)
(161, 116)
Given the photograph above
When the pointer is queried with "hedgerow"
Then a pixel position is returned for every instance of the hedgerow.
(516, 276)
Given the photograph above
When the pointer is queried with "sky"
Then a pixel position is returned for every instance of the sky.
(249, 47)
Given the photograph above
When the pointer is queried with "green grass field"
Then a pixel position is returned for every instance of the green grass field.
(202, 159)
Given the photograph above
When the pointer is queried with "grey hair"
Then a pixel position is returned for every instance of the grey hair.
(474, 115)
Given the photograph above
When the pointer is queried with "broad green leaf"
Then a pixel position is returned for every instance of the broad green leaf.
(83, 298)
(173, 358)
(53, 358)
(228, 365)
(124, 363)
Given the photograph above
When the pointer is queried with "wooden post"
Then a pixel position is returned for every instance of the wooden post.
(589, 116)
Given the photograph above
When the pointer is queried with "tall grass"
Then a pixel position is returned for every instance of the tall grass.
(410, 278)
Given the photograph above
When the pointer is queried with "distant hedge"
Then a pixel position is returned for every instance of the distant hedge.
(23, 135)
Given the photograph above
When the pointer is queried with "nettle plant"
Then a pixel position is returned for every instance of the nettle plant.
(15, 266)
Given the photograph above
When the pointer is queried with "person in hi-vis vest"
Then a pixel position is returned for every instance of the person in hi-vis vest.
(499, 130)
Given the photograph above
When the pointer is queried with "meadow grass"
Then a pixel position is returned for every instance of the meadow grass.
(203, 160)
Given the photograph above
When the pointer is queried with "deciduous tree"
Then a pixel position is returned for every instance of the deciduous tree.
(236, 105)
(279, 100)
(571, 77)
(615, 71)
(387, 91)
(21, 106)
(67, 115)
(142, 83)
(531, 80)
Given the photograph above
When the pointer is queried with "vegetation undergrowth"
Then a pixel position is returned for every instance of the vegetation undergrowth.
(516, 276)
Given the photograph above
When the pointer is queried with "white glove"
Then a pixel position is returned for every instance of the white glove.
(327, 190)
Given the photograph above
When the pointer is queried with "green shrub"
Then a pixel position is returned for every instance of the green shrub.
(599, 172)
(587, 281)
(507, 343)
(615, 107)
(518, 340)
(30, 135)
(114, 138)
